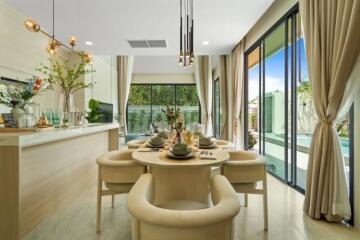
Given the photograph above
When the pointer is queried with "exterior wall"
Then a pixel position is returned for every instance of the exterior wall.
(271, 16)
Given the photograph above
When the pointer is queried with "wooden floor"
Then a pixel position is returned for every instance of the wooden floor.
(286, 219)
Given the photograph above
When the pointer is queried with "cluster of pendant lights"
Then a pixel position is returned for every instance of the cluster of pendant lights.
(186, 55)
(55, 44)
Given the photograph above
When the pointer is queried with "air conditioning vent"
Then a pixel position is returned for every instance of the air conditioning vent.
(138, 43)
(156, 43)
(147, 43)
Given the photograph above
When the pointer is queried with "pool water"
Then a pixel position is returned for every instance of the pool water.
(305, 141)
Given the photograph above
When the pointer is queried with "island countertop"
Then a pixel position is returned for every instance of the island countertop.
(42, 172)
(25, 139)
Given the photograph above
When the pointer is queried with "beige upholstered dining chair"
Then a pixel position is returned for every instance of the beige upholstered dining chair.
(183, 219)
(134, 144)
(224, 144)
(245, 170)
(118, 171)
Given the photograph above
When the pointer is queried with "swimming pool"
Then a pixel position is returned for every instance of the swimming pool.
(305, 141)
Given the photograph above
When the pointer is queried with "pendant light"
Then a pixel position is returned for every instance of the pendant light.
(55, 44)
(186, 54)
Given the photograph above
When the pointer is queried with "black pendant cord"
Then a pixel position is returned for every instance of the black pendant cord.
(181, 28)
(192, 29)
(187, 27)
(186, 55)
(185, 62)
(192, 38)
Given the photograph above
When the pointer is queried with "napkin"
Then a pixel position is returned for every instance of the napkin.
(207, 156)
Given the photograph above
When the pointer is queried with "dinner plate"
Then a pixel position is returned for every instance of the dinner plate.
(211, 146)
(171, 155)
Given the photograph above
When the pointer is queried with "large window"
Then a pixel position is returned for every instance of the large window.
(146, 102)
(216, 109)
(279, 107)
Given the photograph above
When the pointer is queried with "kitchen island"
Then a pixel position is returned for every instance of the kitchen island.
(42, 172)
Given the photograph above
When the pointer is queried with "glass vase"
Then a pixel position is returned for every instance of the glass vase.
(66, 102)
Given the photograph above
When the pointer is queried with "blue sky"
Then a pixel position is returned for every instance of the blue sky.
(275, 70)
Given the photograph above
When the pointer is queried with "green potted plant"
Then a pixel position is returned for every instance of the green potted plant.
(94, 115)
(251, 141)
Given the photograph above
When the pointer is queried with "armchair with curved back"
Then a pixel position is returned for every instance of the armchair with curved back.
(150, 222)
(135, 144)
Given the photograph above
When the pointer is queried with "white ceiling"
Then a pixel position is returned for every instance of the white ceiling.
(109, 24)
(164, 65)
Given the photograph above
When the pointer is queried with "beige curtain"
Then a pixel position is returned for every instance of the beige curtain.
(332, 42)
(124, 67)
(224, 130)
(203, 79)
(238, 81)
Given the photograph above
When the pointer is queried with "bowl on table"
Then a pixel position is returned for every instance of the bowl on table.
(156, 142)
(198, 133)
(206, 142)
(180, 151)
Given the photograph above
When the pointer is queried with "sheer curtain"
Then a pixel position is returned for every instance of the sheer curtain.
(224, 130)
(203, 79)
(332, 37)
(125, 68)
(238, 81)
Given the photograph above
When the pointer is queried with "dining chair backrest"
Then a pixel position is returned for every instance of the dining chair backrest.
(135, 144)
(119, 167)
(244, 167)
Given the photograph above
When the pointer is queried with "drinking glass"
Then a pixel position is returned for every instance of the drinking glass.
(56, 118)
(48, 115)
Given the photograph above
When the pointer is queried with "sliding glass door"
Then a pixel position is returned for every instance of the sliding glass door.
(280, 115)
(279, 109)
(274, 101)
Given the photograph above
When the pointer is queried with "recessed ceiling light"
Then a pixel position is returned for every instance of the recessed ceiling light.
(205, 43)
(89, 43)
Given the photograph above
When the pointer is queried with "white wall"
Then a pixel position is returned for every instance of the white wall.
(105, 81)
(163, 78)
(21, 51)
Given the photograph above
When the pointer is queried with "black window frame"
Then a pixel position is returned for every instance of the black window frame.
(151, 95)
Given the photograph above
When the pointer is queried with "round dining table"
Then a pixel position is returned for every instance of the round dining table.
(185, 179)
